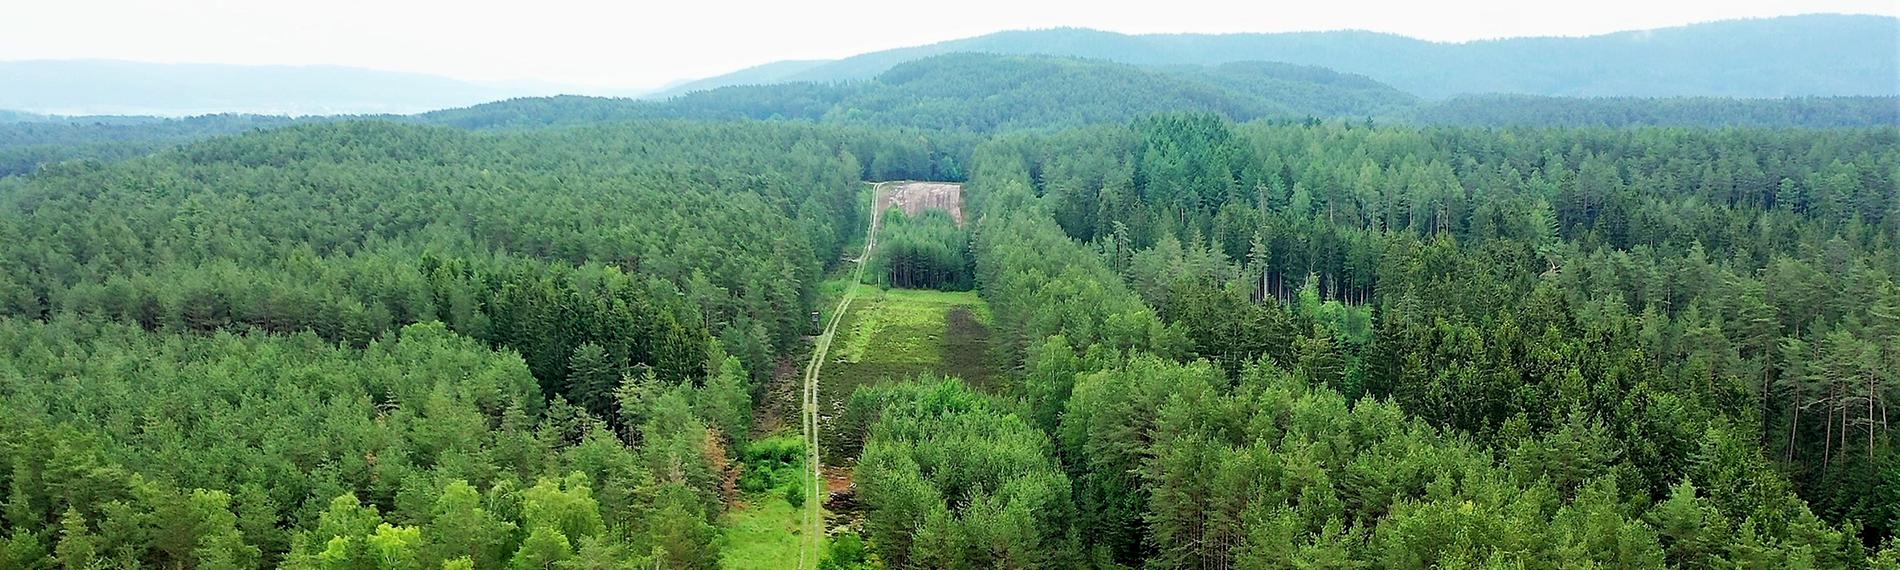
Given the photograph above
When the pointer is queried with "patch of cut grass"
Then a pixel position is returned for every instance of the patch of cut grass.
(900, 326)
(862, 329)
(897, 334)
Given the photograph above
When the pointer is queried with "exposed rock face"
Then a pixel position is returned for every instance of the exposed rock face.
(915, 197)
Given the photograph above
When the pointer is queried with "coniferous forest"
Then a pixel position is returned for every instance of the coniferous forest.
(1247, 316)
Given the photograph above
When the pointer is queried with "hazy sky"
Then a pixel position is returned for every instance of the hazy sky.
(641, 43)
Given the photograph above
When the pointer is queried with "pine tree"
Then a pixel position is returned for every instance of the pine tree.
(78, 547)
(1691, 533)
(592, 377)
(1320, 360)
(680, 533)
(726, 402)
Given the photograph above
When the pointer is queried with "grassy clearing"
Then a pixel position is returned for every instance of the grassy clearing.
(895, 334)
(968, 353)
(766, 530)
(899, 330)
(763, 535)
(904, 326)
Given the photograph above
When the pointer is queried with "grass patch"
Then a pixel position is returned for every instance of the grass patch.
(899, 326)
(894, 334)
(767, 530)
(765, 534)
(968, 353)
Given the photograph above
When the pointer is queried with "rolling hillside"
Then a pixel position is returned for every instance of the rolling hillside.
(978, 92)
(1531, 110)
(1776, 57)
(985, 92)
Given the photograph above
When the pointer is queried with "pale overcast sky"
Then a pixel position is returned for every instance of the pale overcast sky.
(642, 43)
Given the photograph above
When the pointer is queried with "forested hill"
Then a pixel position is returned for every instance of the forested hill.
(981, 92)
(984, 93)
(7, 116)
(1820, 54)
(35, 140)
(1529, 110)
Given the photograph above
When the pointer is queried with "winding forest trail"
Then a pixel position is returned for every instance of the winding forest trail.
(814, 502)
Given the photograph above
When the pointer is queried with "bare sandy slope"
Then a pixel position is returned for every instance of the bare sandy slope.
(915, 197)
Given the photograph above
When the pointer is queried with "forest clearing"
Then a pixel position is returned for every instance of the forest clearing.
(901, 334)
(888, 334)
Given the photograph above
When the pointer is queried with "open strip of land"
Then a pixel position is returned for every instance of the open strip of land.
(814, 504)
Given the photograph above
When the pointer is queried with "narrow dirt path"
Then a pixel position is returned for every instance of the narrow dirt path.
(814, 503)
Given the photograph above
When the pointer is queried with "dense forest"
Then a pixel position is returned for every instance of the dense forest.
(429, 345)
(1244, 315)
(1712, 112)
(925, 252)
(1331, 347)
(28, 142)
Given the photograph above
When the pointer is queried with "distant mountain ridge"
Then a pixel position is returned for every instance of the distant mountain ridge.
(984, 92)
(11, 116)
(1711, 112)
(112, 87)
(1809, 55)
(1794, 56)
